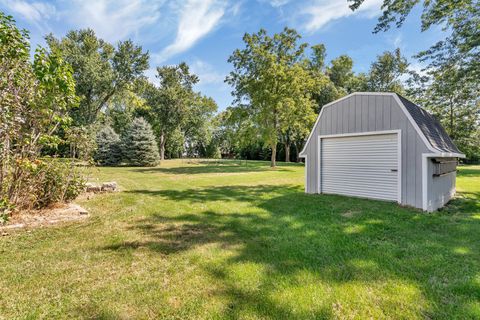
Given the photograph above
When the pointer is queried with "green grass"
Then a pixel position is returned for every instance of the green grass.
(206, 241)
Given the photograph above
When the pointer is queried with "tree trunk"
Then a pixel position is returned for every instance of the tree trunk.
(162, 146)
(297, 151)
(273, 162)
(287, 151)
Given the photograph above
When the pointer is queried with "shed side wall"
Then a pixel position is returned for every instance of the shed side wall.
(440, 189)
(364, 113)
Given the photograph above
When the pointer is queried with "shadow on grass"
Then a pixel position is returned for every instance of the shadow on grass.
(335, 239)
(472, 171)
(230, 166)
(464, 202)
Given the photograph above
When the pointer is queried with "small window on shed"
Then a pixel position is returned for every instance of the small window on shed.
(442, 166)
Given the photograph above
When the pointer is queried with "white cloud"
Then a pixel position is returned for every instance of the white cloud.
(235, 9)
(36, 13)
(321, 12)
(32, 11)
(151, 74)
(418, 67)
(197, 19)
(113, 20)
(277, 3)
(206, 72)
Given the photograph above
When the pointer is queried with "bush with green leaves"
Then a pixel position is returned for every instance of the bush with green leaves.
(46, 181)
(5, 210)
(57, 180)
(36, 98)
(109, 150)
(139, 145)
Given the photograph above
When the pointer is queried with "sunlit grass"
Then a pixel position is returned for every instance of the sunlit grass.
(241, 240)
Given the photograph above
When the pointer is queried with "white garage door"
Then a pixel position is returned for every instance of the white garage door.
(362, 166)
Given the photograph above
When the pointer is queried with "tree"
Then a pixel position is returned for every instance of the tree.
(233, 131)
(271, 81)
(35, 99)
(109, 149)
(344, 79)
(462, 18)
(100, 70)
(124, 107)
(139, 145)
(317, 59)
(456, 104)
(340, 70)
(458, 51)
(198, 128)
(325, 90)
(169, 105)
(297, 111)
(385, 73)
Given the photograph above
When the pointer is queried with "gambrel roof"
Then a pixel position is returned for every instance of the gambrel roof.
(430, 126)
(427, 126)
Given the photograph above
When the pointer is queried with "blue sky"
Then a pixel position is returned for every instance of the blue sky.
(204, 33)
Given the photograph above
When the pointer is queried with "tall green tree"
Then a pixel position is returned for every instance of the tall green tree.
(325, 90)
(297, 110)
(460, 17)
(100, 69)
(340, 72)
(139, 145)
(35, 99)
(109, 148)
(456, 104)
(199, 125)
(169, 104)
(385, 74)
(124, 107)
(271, 82)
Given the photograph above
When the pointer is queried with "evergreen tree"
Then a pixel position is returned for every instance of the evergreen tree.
(109, 152)
(139, 145)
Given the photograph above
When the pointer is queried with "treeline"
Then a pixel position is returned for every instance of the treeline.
(113, 92)
(280, 84)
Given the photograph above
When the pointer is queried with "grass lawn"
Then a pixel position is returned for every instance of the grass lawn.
(204, 241)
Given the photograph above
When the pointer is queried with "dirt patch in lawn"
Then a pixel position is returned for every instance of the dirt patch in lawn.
(61, 212)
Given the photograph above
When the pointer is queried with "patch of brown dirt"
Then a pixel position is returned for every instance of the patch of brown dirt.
(57, 213)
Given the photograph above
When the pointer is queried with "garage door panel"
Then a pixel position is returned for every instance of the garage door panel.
(371, 184)
(362, 166)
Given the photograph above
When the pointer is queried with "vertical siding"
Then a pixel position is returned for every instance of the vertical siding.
(351, 114)
(363, 113)
(379, 105)
(387, 107)
(371, 108)
(358, 113)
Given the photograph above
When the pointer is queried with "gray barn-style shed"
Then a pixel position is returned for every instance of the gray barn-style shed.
(381, 146)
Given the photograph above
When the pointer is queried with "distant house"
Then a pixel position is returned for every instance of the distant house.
(381, 146)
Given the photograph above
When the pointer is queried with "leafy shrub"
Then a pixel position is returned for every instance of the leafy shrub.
(36, 98)
(109, 152)
(47, 181)
(59, 181)
(139, 145)
(5, 210)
